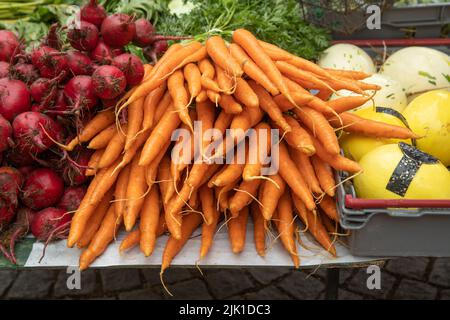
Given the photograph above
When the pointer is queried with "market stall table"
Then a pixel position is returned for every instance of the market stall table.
(312, 256)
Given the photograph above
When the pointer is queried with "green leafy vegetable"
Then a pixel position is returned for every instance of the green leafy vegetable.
(275, 21)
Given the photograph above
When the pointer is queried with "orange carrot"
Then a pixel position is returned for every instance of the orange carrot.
(230, 173)
(251, 69)
(298, 138)
(193, 79)
(193, 201)
(224, 80)
(159, 136)
(173, 48)
(102, 182)
(130, 241)
(245, 194)
(251, 45)
(152, 169)
(257, 153)
(245, 94)
(101, 121)
(209, 84)
(336, 161)
(320, 127)
(196, 56)
(229, 104)
(270, 194)
(284, 221)
(162, 107)
(120, 193)
(218, 52)
(136, 189)
(175, 85)
(211, 219)
(324, 174)
(95, 220)
(213, 96)
(150, 105)
(355, 124)
(113, 149)
(315, 227)
(207, 69)
(291, 71)
(355, 75)
(93, 162)
(134, 121)
(269, 106)
(295, 60)
(289, 172)
(237, 229)
(164, 179)
(158, 74)
(207, 201)
(149, 222)
(223, 121)
(173, 245)
(259, 229)
(347, 103)
(202, 96)
(101, 140)
(305, 167)
(102, 238)
(328, 205)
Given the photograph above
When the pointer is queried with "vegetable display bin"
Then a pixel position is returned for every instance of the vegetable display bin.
(375, 230)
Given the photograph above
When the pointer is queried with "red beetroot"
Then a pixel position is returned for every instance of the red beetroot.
(117, 52)
(108, 81)
(8, 45)
(4, 69)
(26, 170)
(159, 47)
(118, 30)
(35, 132)
(93, 13)
(83, 36)
(14, 98)
(79, 92)
(71, 198)
(102, 53)
(60, 104)
(24, 72)
(79, 63)
(10, 184)
(110, 103)
(7, 214)
(74, 168)
(144, 33)
(50, 62)
(131, 66)
(16, 232)
(52, 38)
(19, 158)
(153, 52)
(5, 134)
(42, 188)
(50, 223)
(44, 90)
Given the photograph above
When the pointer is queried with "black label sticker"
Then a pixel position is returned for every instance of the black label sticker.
(407, 168)
(396, 114)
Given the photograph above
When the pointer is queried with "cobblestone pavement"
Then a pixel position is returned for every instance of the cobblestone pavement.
(406, 278)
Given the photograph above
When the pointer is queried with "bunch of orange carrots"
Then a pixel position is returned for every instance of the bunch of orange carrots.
(242, 85)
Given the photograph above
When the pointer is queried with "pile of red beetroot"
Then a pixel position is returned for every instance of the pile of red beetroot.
(46, 95)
